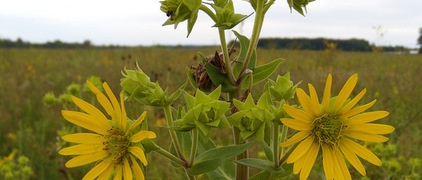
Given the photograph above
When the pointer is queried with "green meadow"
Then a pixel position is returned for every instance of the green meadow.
(31, 127)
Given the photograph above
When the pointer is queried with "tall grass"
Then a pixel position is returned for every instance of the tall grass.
(27, 74)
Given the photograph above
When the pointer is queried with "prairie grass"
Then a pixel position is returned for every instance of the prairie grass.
(28, 74)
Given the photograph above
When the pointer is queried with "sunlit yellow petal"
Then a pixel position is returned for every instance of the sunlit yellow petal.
(81, 149)
(372, 128)
(136, 169)
(124, 115)
(345, 92)
(118, 172)
(361, 151)
(301, 149)
(138, 153)
(327, 92)
(98, 169)
(127, 171)
(86, 121)
(299, 136)
(90, 109)
(353, 102)
(142, 135)
(137, 122)
(328, 161)
(304, 101)
(309, 161)
(86, 159)
(296, 124)
(86, 138)
(353, 159)
(298, 113)
(358, 110)
(102, 99)
(117, 117)
(340, 166)
(106, 173)
(297, 166)
(314, 102)
(367, 117)
(368, 137)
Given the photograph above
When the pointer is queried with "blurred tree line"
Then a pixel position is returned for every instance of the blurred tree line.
(19, 43)
(420, 40)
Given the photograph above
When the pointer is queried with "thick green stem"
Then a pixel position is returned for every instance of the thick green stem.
(208, 12)
(173, 136)
(276, 153)
(194, 146)
(258, 22)
(226, 56)
(169, 156)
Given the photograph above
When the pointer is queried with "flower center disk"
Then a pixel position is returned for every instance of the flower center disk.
(116, 144)
(327, 129)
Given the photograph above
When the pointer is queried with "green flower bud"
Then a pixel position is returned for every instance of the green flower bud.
(65, 100)
(252, 119)
(226, 18)
(181, 10)
(393, 166)
(74, 89)
(49, 99)
(283, 88)
(137, 86)
(205, 112)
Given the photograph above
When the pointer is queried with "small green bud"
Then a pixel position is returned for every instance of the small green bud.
(23, 160)
(226, 18)
(393, 166)
(283, 88)
(49, 99)
(137, 86)
(74, 89)
(181, 10)
(65, 99)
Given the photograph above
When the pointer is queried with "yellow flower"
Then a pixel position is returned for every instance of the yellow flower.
(333, 126)
(113, 146)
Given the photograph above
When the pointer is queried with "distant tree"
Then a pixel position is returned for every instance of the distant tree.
(420, 40)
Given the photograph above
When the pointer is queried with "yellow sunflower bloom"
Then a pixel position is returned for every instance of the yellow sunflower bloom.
(113, 145)
(333, 126)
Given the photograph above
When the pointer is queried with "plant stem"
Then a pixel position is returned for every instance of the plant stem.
(289, 151)
(226, 57)
(276, 153)
(173, 136)
(170, 156)
(258, 22)
(194, 146)
(208, 12)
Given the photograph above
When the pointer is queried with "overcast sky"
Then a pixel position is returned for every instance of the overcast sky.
(139, 22)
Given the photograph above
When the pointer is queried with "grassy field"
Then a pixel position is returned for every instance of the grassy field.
(31, 127)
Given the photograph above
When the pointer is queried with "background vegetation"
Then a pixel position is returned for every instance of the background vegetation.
(32, 127)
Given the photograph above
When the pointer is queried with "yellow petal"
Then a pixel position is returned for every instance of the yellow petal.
(328, 161)
(314, 102)
(299, 136)
(301, 149)
(296, 124)
(353, 159)
(361, 151)
(304, 101)
(86, 159)
(98, 169)
(358, 110)
(297, 166)
(309, 161)
(102, 99)
(106, 173)
(117, 116)
(118, 172)
(124, 115)
(353, 102)
(298, 113)
(368, 137)
(90, 109)
(127, 171)
(340, 166)
(367, 117)
(142, 135)
(327, 92)
(372, 128)
(345, 92)
(86, 138)
(136, 169)
(137, 122)
(138, 153)
(81, 149)
(86, 121)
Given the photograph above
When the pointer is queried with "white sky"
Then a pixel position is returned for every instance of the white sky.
(139, 22)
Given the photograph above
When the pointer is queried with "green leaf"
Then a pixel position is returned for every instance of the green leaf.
(261, 175)
(213, 158)
(264, 71)
(218, 78)
(260, 164)
(226, 171)
(176, 94)
(244, 44)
